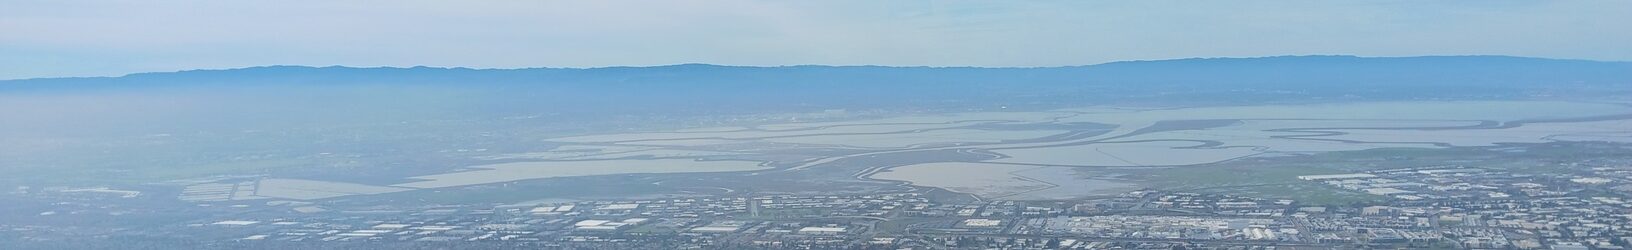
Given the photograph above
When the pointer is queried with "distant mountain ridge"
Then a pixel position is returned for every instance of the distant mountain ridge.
(1221, 78)
(1284, 64)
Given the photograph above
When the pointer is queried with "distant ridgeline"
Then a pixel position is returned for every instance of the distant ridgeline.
(1216, 80)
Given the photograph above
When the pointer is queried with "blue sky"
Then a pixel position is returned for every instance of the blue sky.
(49, 38)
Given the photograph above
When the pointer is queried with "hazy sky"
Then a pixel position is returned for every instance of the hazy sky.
(49, 38)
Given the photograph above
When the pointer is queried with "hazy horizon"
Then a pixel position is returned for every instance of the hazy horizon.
(111, 38)
(799, 65)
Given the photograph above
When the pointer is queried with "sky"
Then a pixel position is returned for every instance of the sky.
(53, 38)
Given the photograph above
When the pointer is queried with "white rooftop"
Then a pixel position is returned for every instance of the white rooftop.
(821, 230)
(235, 222)
(715, 229)
(590, 223)
(982, 222)
(1334, 176)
